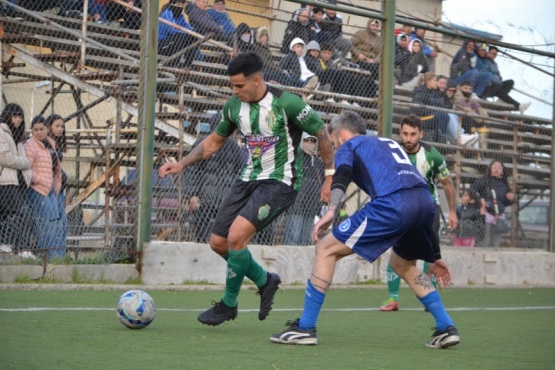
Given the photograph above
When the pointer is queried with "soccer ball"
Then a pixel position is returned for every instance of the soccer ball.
(135, 309)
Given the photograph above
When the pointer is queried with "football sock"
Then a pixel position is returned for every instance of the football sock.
(393, 283)
(313, 301)
(433, 277)
(255, 272)
(237, 265)
(433, 303)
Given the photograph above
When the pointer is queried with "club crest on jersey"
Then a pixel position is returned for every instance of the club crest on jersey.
(345, 225)
(260, 144)
(271, 119)
(263, 212)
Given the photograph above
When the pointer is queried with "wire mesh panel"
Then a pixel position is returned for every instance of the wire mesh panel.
(78, 63)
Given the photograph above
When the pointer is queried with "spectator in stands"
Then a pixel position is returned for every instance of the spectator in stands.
(127, 17)
(471, 122)
(295, 64)
(189, 222)
(412, 65)
(495, 194)
(56, 131)
(212, 179)
(272, 72)
(429, 52)
(299, 219)
(463, 68)
(434, 123)
(243, 38)
(46, 183)
(202, 22)
(15, 177)
(367, 47)
(35, 5)
(470, 214)
(299, 27)
(498, 87)
(219, 14)
(355, 81)
(172, 40)
(333, 26)
(316, 24)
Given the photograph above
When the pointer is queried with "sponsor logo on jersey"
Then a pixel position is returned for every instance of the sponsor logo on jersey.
(263, 212)
(345, 225)
(260, 144)
(305, 113)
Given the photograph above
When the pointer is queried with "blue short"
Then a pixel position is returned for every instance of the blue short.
(403, 220)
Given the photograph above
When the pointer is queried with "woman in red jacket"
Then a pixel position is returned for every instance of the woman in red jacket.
(46, 183)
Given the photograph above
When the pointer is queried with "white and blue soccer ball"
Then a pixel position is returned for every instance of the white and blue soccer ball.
(135, 309)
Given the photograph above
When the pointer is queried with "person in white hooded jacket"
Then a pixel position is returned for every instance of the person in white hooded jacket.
(295, 64)
(15, 177)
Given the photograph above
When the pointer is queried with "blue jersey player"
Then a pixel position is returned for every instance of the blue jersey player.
(400, 214)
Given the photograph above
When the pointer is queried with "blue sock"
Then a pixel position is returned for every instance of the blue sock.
(433, 303)
(313, 301)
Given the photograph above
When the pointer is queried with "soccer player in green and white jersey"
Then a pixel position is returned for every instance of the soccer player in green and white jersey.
(272, 122)
(432, 167)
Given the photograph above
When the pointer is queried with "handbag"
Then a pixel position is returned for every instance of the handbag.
(502, 226)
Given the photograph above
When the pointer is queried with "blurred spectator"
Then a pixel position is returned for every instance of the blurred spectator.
(171, 40)
(413, 64)
(219, 14)
(299, 219)
(202, 22)
(333, 26)
(367, 47)
(15, 176)
(316, 24)
(470, 214)
(212, 179)
(299, 27)
(495, 194)
(127, 18)
(471, 121)
(463, 68)
(243, 38)
(434, 123)
(295, 64)
(498, 87)
(272, 71)
(56, 131)
(189, 222)
(429, 52)
(46, 183)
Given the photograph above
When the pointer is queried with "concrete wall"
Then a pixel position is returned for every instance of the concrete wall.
(179, 263)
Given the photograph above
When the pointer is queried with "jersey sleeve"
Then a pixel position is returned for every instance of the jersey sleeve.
(301, 114)
(226, 126)
(440, 169)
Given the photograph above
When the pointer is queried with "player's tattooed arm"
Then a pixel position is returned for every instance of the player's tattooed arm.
(335, 200)
(424, 280)
(326, 150)
(204, 150)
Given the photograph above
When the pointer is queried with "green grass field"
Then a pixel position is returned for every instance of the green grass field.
(499, 328)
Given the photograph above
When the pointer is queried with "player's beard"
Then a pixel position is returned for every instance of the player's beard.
(409, 147)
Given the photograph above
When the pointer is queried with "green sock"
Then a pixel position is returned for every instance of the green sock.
(426, 268)
(255, 272)
(393, 283)
(237, 265)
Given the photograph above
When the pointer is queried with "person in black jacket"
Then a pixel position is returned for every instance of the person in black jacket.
(435, 123)
(471, 218)
(299, 27)
(495, 194)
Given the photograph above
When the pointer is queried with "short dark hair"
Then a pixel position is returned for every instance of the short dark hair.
(317, 10)
(413, 121)
(493, 47)
(326, 46)
(247, 63)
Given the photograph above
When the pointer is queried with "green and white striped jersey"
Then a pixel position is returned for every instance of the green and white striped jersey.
(272, 128)
(431, 166)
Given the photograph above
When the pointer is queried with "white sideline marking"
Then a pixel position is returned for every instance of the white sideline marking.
(38, 309)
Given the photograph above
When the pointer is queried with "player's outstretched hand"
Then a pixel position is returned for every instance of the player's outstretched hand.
(170, 169)
(322, 225)
(441, 272)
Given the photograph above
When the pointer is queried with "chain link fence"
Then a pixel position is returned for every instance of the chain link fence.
(79, 61)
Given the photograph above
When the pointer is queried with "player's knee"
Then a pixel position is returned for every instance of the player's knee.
(218, 245)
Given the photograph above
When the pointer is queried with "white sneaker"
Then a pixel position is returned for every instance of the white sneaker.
(4, 248)
(330, 100)
(469, 139)
(312, 83)
(523, 106)
(344, 102)
(27, 254)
